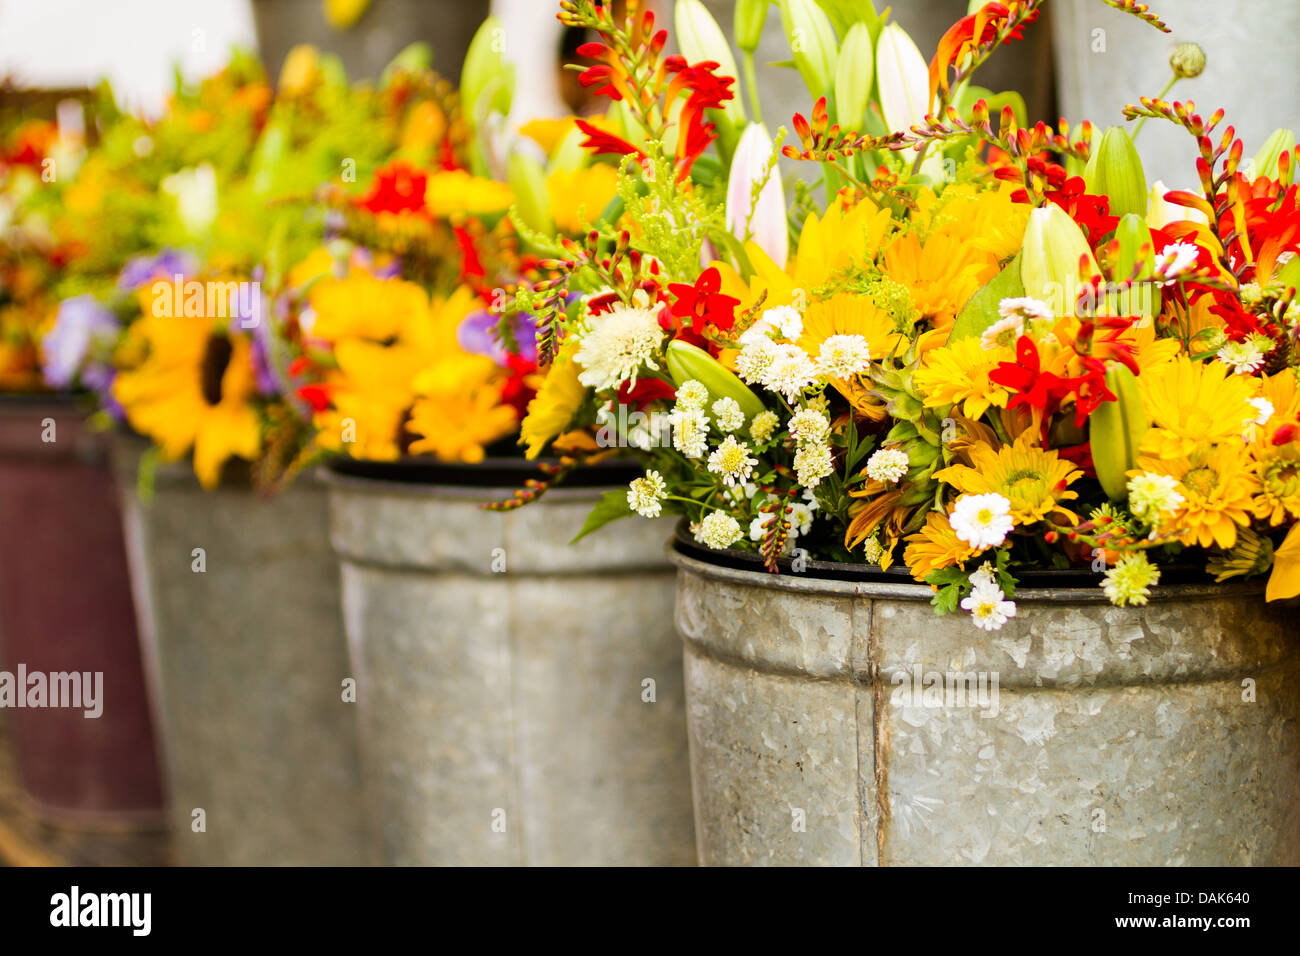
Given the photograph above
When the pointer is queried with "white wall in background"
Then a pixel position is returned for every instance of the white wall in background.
(135, 43)
(532, 44)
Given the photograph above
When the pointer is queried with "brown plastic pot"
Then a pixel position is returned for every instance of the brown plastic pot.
(65, 605)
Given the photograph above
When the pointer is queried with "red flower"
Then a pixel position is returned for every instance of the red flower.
(603, 143)
(702, 304)
(516, 392)
(645, 391)
(317, 396)
(398, 187)
(1092, 213)
(972, 32)
(471, 268)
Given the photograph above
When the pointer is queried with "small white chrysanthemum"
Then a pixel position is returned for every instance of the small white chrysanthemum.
(841, 356)
(755, 359)
(646, 495)
(617, 345)
(727, 415)
(763, 426)
(1025, 308)
(718, 530)
(873, 550)
(989, 607)
(690, 431)
(1004, 331)
(983, 577)
(791, 372)
(812, 463)
(1174, 260)
(800, 515)
(1243, 358)
(888, 465)
(692, 394)
(1251, 295)
(1130, 581)
(982, 521)
(731, 460)
(1265, 409)
(1150, 496)
(809, 425)
(782, 321)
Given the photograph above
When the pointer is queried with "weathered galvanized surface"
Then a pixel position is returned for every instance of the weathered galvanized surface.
(248, 659)
(1164, 735)
(501, 679)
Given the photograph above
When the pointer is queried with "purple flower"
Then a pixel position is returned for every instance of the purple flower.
(477, 334)
(82, 328)
(140, 270)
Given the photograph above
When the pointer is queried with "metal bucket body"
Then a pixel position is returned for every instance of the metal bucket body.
(248, 662)
(65, 607)
(520, 698)
(1162, 735)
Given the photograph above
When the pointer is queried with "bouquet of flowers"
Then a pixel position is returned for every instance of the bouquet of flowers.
(990, 348)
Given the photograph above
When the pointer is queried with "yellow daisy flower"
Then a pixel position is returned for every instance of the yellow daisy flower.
(558, 399)
(361, 306)
(459, 411)
(1193, 405)
(941, 273)
(1033, 479)
(934, 547)
(577, 197)
(1216, 488)
(958, 373)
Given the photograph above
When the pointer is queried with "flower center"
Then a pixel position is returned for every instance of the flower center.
(216, 359)
(1201, 480)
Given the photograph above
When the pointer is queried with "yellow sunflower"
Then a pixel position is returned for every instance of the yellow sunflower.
(1277, 460)
(1192, 405)
(958, 373)
(192, 391)
(1216, 487)
(577, 197)
(459, 410)
(987, 219)
(557, 400)
(1033, 479)
(361, 306)
(934, 547)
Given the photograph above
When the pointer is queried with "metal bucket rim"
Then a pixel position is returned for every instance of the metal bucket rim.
(359, 484)
(810, 584)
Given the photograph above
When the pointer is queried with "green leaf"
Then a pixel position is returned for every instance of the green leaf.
(613, 505)
(845, 13)
(982, 309)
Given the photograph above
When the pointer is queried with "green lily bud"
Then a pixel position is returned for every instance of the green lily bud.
(1115, 170)
(812, 41)
(751, 16)
(487, 75)
(700, 38)
(1115, 432)
(1187, 61)
(1132, 234)
(854, 74)
(527, 181)
(686, 362)
(1049, 258)
(1265, 162)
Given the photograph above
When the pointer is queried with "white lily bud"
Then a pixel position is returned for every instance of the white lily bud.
(903, 79)
(766, 219)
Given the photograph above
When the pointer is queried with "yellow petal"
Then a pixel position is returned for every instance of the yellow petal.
(1284, 582)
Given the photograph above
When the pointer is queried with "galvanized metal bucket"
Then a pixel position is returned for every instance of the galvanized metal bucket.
(239, 616)
(839, 722)
(520, 698)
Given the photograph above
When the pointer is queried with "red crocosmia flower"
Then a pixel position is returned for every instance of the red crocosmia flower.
(1081, 457)
(298, 366)
(702, 304)
(1285, 434)
(645, 391)
(1090, 390)
(1031, 385)
(1092, 213)
(603, 143)
(516, 391)
(971, 32)
(317, 396)
(471, 268)
(398, 187)
(705, 90)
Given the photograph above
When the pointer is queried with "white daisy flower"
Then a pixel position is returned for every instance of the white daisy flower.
(727, 415)
(690, 431)
(888, 465)
(692, 394)
(841, 356)
(983, 577)
(1025, 307)
(731, 460)
(1004, 331)
(616, 345)
(982, 521)
(1265, 409)
(989, 608)
(1150, 496)
(718, 530)
(1244, 358)
(809, 425)
(812, 462)
(763, 426)
(646, 495)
